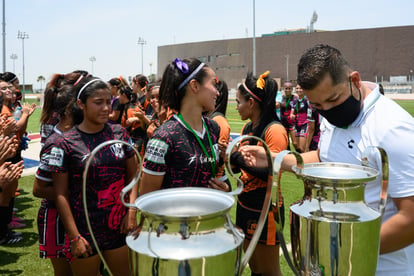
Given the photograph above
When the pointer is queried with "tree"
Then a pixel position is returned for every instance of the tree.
(41, 79)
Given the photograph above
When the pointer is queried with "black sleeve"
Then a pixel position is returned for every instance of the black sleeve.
(237, 160)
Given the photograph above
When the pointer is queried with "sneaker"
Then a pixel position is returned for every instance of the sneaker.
(15, 225)
(10, 240)
(14, 234)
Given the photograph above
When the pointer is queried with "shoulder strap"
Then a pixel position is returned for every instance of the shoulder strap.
(216, 114)
(262, 136)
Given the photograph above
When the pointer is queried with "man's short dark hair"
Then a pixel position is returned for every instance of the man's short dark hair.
(319, 60)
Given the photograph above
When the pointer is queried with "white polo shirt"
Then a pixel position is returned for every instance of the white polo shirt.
(382, 123)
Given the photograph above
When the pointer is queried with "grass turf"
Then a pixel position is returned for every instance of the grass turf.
(23, 258)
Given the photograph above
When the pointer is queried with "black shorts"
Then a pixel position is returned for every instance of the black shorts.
(247, 219)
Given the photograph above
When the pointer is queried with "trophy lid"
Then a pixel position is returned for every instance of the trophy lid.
(329, 173)
(179, 203)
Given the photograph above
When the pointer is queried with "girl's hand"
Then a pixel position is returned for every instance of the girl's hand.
(217, 184)
(222, 146)
(80, 247)
(129, 221)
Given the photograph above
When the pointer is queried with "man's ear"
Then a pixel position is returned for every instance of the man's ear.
(356, 79)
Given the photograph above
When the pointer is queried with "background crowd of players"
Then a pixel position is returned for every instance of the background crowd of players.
(137, 111)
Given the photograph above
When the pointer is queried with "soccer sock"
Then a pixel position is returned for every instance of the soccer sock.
(3, 220)
(10, 210)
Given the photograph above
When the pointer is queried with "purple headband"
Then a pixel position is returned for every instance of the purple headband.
(191, 76)
(181, 66)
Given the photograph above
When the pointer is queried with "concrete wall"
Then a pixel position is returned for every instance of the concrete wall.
(376, 53)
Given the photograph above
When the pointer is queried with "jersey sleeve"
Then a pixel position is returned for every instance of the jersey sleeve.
(276, 138)
(155, 156)
(58, 156)
(224, 128)
(43, 172)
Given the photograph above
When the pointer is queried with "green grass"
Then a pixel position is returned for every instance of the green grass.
(23, 259)
(407, 105)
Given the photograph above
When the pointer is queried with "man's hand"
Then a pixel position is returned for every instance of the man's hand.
(254, 156)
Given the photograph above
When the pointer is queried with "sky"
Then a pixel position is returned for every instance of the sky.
(64, 35)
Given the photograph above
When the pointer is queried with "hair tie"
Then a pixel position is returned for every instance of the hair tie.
(13, 79)
(260, 83)
(84, 86)
(187, 79)
(251, 93)
(181, 66)
(78, 80)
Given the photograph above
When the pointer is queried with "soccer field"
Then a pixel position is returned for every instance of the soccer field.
(23, 259)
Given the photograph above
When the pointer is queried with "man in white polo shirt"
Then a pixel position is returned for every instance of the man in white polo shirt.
(356, 115)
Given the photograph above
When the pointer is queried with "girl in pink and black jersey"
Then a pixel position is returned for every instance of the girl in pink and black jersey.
(299, 114)
(286, 105)
(59, 97)
(183, 152)
(111, 168)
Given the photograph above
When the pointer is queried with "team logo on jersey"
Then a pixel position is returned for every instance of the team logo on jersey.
(84, 157)
(156, 150)
(117, 150)
(203, 159)
(350, 143)
(44, 161)
(56, 157)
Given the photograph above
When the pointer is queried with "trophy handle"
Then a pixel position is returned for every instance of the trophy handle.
(238, 190)
(122, 194)
(277, 171)
(369, 154)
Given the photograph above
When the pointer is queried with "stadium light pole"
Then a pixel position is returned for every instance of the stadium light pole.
(254, 37)
(23, 36)
(92, 59)
(141, 42)
(4, 36)
(13, 57)
(287, 67)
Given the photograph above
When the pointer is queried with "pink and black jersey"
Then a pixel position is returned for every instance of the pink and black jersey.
(43, 172)
(47, 129)
(106, 174)
(286, 106)
(174, 152)
(300, 109)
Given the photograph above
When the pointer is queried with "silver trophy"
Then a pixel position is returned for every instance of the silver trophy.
(333, 231)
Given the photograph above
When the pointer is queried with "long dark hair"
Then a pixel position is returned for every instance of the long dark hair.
(175, 73)
(58, 94)
(265, 96)
(221, 102)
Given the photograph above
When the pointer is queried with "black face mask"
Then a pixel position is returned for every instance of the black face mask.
(344, 114)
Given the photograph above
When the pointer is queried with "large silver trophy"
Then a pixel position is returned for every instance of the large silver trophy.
(188, 231)
(333, 230)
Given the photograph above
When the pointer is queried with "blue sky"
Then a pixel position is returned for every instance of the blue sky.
(63, 35)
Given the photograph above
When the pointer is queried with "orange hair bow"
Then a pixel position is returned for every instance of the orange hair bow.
(260, 83)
